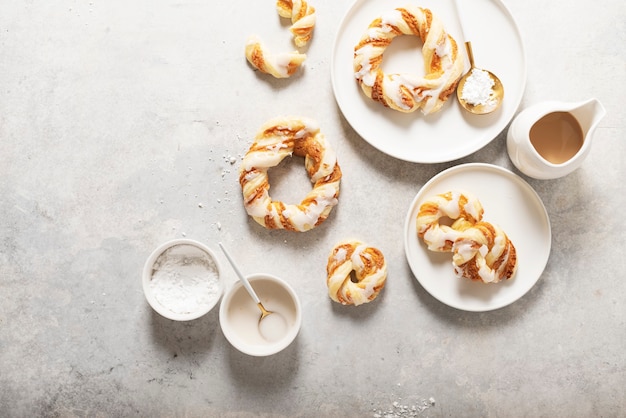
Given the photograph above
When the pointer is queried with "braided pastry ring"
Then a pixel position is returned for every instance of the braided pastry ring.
(484, 253)
(408, 92)
(454, 205)
(277, 139)
(369, 266)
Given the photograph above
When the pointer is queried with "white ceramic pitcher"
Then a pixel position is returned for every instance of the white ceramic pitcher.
(526, 157)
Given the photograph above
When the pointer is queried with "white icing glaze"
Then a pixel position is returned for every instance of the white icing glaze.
(464, 251)
(340, 255)
(340, 285)
(277, 65)
(473, 209)
(437, 236)
(328, 162)
(276, 140)
(391, 18)
(365, 74)
(357, 263)
(402, 89)
(473, 248)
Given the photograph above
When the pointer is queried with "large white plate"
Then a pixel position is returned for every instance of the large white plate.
(509, 202)
(451, 133)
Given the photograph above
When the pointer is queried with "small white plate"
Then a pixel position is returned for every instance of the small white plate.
(507, 201)
(451, 133)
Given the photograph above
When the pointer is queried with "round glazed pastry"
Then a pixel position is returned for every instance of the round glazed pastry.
(370, 273)
(277, 139)
(406, 92)
(484, 253)
(457, 206)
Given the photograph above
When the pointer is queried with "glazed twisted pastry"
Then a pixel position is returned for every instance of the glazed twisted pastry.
(302, 17)
(369, 266)
(484, 252)
(277, 139)
(279, 66)
(408, 92)
(481, 251)
(453, 205)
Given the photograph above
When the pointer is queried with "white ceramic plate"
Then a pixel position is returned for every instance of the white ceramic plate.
(451, 133)
(507, 201)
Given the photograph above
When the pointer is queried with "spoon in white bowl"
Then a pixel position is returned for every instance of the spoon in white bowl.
(272, 325)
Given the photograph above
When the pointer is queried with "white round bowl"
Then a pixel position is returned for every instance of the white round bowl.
(239, 314)
(182, 280)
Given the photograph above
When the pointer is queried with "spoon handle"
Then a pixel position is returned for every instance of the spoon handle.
(459, 13)
(243, 279)
(468, 44)
(470, 53)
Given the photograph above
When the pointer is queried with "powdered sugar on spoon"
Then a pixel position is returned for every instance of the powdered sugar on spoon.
(479, 91)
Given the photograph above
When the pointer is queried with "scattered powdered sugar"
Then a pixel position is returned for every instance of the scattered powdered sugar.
(185, 279)
(399, 410)
(230, 159)
(478, 88)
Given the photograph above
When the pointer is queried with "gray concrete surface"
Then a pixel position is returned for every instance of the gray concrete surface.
(119, 124)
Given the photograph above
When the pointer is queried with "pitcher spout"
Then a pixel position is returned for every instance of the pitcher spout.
(589, 114)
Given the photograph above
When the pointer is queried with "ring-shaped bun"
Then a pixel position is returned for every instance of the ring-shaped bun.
(481, 251)
(484, 253)
(454, 205)
(370, 272)
(277, 139)
(407, 92)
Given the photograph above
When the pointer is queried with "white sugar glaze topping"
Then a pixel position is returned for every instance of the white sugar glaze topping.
(403, 90)
(276, 140)
(390, 18)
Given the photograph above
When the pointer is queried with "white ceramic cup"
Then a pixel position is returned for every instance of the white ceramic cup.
(182, 280)
(239, 314)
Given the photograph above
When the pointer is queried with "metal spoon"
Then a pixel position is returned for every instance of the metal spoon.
(246, 284)
(497, 90)
(272, 328)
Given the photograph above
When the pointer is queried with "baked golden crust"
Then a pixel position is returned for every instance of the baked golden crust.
(453, 205)
(277, 139)
(370, 273)
(481, 251)
(279, 66)
(302, 16)
(284, 65)
(484, 253)
(443, 66)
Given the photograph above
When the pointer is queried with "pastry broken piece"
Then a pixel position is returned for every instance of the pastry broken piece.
(302, 17)
(278, 65)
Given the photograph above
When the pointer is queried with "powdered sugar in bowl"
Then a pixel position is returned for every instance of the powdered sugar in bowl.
(182, 280)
